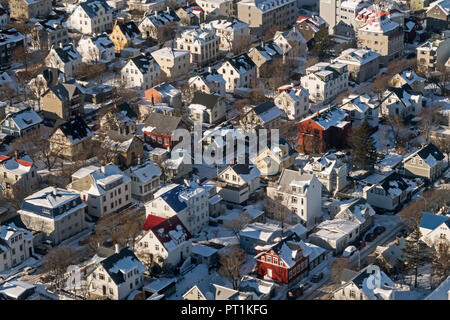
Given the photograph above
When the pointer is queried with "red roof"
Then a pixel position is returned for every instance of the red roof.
(3, 158)
(165, 230)
(24, 163)
(153, 221)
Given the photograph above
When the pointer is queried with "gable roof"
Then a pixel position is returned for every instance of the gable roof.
(76, 130)
(432, 221)
(67, 53)
(129, 29)
(24, 118)
(143, 62)
(121, 263)
(170, 232)
(65, 91)
(92, 7)
(430, 154)
(242, 63)
(161, 124)
(205, 99)
(394, 184)
(268, 111)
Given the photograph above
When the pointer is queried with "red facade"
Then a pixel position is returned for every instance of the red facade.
(272, 266)
(158, 140)
(313, 138)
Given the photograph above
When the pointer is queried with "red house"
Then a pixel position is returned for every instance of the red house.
(158, 130)
(324, 130)
(283, 261)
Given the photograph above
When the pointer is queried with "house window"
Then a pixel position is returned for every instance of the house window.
(275, 260)
(352, 294)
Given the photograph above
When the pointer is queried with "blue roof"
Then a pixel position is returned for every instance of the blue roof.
(173, 200)
(432, 221)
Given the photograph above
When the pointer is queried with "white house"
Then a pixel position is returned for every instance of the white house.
(189, 202)
(222, 8)
(91, 17)
(357, 210)
(208, 82)
(202, 43)
(427, 163)
(292, 43)
(335, 235)
(141, 72)
(21, 122)
(434, 228)
(389, 193)
(151, 22)
(361, 108)
(232, 32)
(145, 180)
(403, 101)
(16, 245)
(96, 49)
(105, 189)
(117, 276)
(300, 194)
(330, 171)
(325, 81)
(56, 212)
(293, 100)
(166, 239)
(66, 59)
(238, 72)
(238, 182)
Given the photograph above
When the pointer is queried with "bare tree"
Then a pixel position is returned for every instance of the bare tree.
(56, 262)
(240, 223)
(277, 209)
(443, 144)
(430, 117)
(337, 267)
(231, 261)
(440, 261)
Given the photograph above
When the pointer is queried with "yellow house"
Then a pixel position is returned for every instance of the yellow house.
(416, 5)
(272, 160)
(123, 35)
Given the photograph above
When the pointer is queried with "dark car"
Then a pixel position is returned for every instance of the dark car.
(370, 237)
(294, 293)
(317, 277)
(379, 230)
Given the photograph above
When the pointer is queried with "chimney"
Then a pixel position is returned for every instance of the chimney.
(168, 10)
(156, 13)
(300, 171)
(116, 248)
(139, 160)
(54, 192)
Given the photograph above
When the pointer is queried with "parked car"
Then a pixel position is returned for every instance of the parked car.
(379, 230)
(370, 237)
(360, 244)
(29, 270)
(317, 277)
(294, 293)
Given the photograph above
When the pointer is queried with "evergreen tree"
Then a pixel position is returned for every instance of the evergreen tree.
(440, 263)
(363, 147)
(416, 253)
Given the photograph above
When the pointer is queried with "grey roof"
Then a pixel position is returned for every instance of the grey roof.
(143, 62)
(348, 275)
(288, 175)
(205, 99)
(67, 53)
(91, 7)
(394, 177)
(109, 263)
(77, 129)
(129, 29)
(430, 149)
(242, 61)
(264, 107)
(65, 91)
(163, 124)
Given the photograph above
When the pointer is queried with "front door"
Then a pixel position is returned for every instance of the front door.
(269, 273)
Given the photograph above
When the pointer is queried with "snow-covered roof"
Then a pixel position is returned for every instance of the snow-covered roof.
(15, 288)
(203, 251)
(268, 111)
(145, 171)
(16, 166)
(119, 264)
(24, 119)
(442, 292)
(266, 5)
(357, 56)
(376, 22)
(260, 231)
(444, 5)
(329, 117)
(51, 197)
(169, 53)
(171, 232)
(231, 24)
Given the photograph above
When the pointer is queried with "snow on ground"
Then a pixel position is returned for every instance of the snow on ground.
(219, 235)
(30, 262)
(249, 264)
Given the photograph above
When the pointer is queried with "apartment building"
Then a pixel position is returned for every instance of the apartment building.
(49, 33)
(174, 63)
(232, 32)
(10, 40)
(188, 201)
(262, 15)
(362, 64)
(105, 189)
(222, 8)
(91, 17)
(329, 170)
(380, 34)
(300, 194)
(63, 101)
(433, 54)
(56, 212)
(325, 81)
(203, 45)
(27, 9)
(361, 108)
(340, 15)
(145, 180)
(141, 72)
